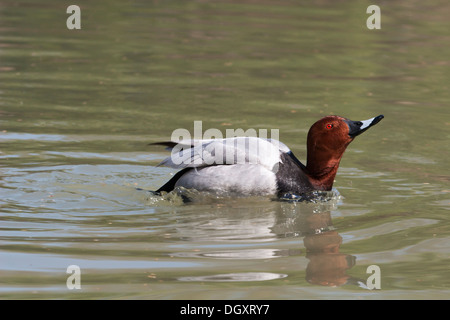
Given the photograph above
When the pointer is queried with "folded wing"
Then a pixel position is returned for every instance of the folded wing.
(238, 150)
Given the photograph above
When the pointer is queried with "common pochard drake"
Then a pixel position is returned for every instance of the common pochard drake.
(263, 166)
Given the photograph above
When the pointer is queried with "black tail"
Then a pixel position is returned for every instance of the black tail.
(168, 144)
(170, 185)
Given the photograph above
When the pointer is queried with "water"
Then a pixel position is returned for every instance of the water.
(79, 107)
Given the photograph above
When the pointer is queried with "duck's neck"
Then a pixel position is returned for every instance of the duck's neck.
(321, 169)
(323, 178)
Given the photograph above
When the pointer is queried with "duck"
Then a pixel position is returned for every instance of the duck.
(254, 166)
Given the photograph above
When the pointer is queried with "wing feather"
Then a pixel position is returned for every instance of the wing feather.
(238, 150)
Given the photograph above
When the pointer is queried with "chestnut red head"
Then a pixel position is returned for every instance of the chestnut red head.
(327, 140)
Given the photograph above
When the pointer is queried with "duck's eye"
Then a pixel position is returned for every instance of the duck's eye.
(329, 126)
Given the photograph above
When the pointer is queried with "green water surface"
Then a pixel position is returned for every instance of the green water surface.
(79, 107)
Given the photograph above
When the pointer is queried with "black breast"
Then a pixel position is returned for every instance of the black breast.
(291, 177)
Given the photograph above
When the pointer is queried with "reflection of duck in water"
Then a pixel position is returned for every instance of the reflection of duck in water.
(263, 222)
(327, 266)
